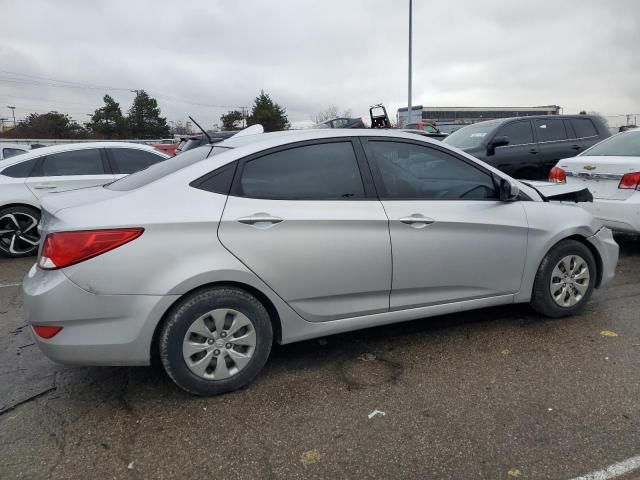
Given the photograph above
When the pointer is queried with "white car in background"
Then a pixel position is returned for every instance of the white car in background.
(8, 150)
(611, 172)
(25, 179)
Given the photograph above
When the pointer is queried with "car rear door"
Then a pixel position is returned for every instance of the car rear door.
(452, 240)
(554, 142)
(69, 170)
(305, 219)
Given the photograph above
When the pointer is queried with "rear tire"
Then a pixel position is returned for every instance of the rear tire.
(215, 340)
(565, 280)
(18, 231)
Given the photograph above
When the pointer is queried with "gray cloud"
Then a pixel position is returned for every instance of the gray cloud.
(307, 54)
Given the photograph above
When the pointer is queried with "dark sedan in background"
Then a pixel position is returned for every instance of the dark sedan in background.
(528, 147)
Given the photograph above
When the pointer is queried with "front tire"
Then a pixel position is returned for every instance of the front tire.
(216, 340)
(565, 280)
(18, 231)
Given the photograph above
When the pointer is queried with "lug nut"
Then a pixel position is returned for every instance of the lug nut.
(223, 334)
(210, 341)
(228, 346)
(216, 352)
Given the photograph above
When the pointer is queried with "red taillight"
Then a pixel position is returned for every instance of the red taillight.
(62, 249)
(630, 181)
(46, 331)
(557, 175)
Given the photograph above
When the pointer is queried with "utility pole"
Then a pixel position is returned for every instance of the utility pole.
(13, 111)
(410, 58)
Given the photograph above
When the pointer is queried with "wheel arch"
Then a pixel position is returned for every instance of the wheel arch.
(21, 204)
(274, 316)
(594, 252)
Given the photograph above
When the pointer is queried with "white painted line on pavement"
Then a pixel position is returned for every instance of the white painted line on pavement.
(613, 471)
(10, 285)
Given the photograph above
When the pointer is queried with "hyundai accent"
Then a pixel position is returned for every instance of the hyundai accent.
(207, 260)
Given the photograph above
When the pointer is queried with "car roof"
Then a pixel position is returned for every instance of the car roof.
(68, 147)
(273, 139)
(21, 146)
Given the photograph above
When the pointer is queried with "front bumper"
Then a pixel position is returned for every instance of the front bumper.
(97, 329)
(608, 251)
(619, 215)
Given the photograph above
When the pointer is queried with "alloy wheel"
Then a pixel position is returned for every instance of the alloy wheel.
(569, 281)
(219, 344)
(18, 233)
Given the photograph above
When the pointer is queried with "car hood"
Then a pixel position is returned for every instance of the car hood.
(561, 191)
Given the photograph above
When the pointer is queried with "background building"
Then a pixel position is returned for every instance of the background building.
(467, 115)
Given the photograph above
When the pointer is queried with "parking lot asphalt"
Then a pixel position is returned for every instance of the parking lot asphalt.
(495, 393)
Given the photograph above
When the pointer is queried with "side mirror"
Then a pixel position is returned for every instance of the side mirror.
(495, 142)
(508, 190)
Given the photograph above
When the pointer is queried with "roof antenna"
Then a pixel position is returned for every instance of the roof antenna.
(201, 129)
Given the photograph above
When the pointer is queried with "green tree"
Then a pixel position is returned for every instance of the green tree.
(108, 121)
(232, 120)
(144, 118)
(48, 125)
(269, 114)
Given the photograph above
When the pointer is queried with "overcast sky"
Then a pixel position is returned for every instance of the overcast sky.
(308, 54)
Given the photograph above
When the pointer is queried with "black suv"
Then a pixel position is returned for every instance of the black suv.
(528, 147)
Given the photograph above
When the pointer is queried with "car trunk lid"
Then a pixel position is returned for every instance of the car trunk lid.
(601, 175)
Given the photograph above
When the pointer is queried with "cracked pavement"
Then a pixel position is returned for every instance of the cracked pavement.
(495, 393)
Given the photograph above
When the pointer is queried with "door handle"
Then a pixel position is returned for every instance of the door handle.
(533, 150)
(575, 147)
(44, 186)
(417, 221)
(260, 218)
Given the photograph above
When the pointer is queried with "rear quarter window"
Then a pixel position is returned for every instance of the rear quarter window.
(20, 170)
(584, 127)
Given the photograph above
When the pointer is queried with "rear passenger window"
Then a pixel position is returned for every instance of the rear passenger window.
(130, 160)
(550, 130)
(519, 133)
(77, 162)
(20, 170)
(584, 127)
(325, 171)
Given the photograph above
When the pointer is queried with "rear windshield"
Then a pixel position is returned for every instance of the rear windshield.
(190, 144)
(162, 169)
(472, 136)
(623, 145)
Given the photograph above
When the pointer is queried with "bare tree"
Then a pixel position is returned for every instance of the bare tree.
(332, 111)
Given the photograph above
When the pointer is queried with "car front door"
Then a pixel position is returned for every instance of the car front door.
(69, 170)
(452, 240)
(520, 157)
(304, 221)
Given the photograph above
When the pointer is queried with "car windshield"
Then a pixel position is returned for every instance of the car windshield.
(626, 144)
(162, 169)
(471, 136)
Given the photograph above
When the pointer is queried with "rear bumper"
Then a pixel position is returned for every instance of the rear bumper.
(97, 329)
(608, 250)
(619, 215)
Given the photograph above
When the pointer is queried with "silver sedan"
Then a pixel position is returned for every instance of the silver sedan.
(210, 258)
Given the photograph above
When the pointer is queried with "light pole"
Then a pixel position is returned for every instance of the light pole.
(409, 88)
(13, 111)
